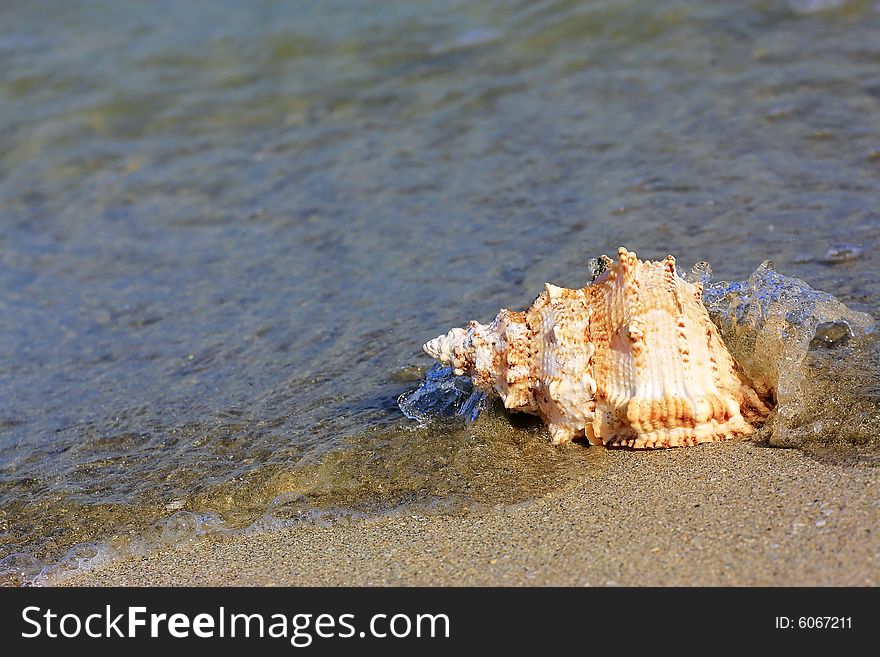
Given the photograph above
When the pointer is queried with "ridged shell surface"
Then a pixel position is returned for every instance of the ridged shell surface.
(631, 360)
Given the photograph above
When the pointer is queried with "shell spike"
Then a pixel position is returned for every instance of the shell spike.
(443, 347)
(553, 291)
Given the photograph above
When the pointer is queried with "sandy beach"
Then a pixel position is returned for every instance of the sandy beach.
(729, 514)
(227, 229)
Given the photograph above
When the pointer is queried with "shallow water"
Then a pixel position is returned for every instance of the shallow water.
(226, 228)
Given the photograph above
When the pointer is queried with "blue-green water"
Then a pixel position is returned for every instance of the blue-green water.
(227, 227)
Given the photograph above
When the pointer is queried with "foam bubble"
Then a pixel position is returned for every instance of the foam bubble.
(19, 568)
(81, 557)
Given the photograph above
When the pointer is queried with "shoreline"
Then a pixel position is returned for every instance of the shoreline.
(722, 514)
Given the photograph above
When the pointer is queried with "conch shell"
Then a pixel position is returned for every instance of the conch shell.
(631, 360)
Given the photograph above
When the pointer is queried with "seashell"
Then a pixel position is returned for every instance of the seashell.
(630, 360)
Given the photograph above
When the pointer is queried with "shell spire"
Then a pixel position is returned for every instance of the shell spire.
(630, 360)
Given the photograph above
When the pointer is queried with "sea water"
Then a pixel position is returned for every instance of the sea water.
(227, 228)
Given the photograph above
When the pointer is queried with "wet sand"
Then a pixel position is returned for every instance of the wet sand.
(730, 514)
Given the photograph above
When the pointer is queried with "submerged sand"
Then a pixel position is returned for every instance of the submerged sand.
(732, 513)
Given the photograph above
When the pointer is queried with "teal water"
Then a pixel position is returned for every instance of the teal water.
(227, 227)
